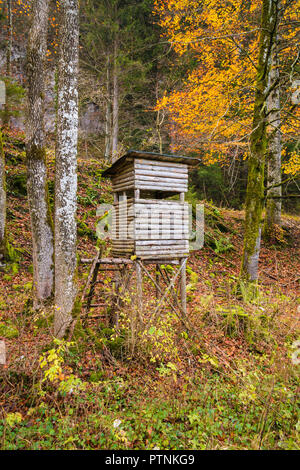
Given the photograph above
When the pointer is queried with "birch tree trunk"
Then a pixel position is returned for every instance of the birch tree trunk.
(273, 207)
(3, 238)
(115, 129)
(6, 117)
(258, 143)
(66, 167)
(2, 202)
(37, 189)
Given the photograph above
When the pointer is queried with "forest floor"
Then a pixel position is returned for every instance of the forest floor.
(229, 381)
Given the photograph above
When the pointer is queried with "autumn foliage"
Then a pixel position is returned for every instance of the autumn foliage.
(211, 113)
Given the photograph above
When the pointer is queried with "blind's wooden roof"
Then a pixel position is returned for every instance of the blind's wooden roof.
(132, 154)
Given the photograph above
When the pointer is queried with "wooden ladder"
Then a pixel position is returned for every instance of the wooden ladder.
(103, 264)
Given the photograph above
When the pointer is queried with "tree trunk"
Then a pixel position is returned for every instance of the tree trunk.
(40, 215)
(108, 111)
(258, 144)
(273, 207)
(115, 130)
(2, 202)
(6, 114)
(9, 39)
(66, 167)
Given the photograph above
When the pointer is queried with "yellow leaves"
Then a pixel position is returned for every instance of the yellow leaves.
(292, 167)
(13, 418)
(212, 113)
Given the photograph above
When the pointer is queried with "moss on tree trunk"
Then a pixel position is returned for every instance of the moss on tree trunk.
(37, 187)
(273, 206)
(258, 143)
(3, 238)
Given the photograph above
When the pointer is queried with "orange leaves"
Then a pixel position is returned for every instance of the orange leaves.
(213, 109)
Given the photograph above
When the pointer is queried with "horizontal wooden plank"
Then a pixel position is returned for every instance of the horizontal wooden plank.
(162, 202)
(164, 249)
(123, 179)
(179, 254)
(121, 183)
(160, 242)
(140, 161)
(123, 173)
(153, 184)
(123, 187)
(172, 252)
(162, 179)
(155, 168)
(154, 173)
(159, 188)
(108, 261)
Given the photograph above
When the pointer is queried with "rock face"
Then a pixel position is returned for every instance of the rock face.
(90, 116)
(90, 120)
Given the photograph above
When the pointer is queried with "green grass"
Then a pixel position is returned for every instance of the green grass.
(253, 410)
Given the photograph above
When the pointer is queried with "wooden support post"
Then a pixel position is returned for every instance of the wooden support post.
(94, 280)
(183, 284)
(181, 197)
(115, 301)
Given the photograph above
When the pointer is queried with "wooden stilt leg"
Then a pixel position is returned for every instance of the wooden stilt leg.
(183, 284)
(91, 283)
(114, 317)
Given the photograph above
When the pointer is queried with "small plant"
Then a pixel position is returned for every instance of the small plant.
(52, 361)
(13, 418)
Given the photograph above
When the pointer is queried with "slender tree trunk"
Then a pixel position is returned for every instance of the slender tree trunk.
(115, 130)
(9, 38)
(3, 243)
(273, 207)
(159, 121)
(108, 110)
(6, 113)
(5, 122)
(66, 167)
(258, 144)
(40, 215)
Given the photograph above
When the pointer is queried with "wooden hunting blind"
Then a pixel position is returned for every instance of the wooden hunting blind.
(148, 228)
(145, 222)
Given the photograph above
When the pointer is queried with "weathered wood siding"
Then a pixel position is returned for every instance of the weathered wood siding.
(150, 228)
(161, 228)
(123, 228)
(160, 176)
(124, 179)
